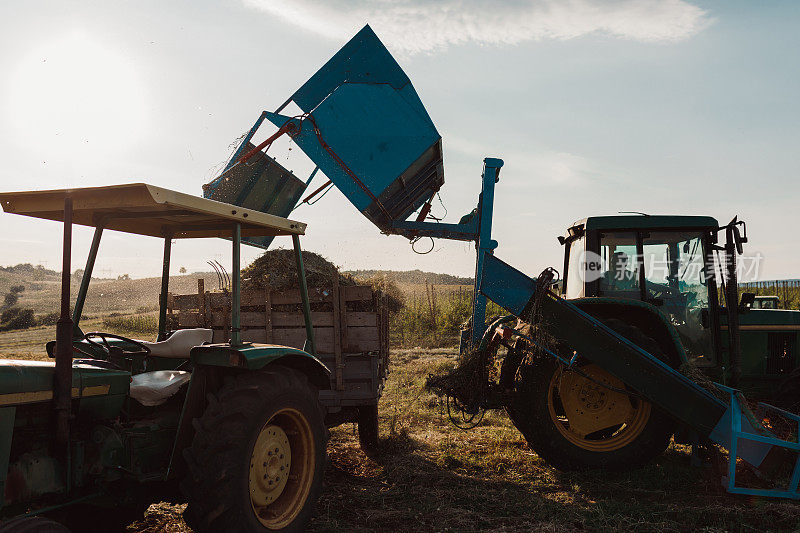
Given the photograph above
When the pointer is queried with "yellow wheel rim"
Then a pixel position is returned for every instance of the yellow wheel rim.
(281, 468)
(592, 416)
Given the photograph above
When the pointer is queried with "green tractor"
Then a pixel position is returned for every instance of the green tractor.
(114, 424)
(767, 302)
(654, 280)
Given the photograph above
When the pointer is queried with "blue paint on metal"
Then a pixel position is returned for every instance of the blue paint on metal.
(485, 245)
(365, 127)
(311, 177)
(439, 230)
(363, 60)
(742, 438)
(368, 114)
(505, 285)
(374, 131)
(751, 451)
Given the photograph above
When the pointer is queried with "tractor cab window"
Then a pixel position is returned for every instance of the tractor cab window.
(619, 268)
(675, 281)
(766, 302)
(576, 269)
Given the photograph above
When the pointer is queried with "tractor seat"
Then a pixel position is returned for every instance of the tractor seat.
(180, 343)
(154, 388)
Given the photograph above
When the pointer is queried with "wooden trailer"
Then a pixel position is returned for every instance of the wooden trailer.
(351, 336)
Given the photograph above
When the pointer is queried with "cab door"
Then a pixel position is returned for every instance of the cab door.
(675, 280)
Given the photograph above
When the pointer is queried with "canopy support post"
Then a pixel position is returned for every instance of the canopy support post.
(236, 289)
(301, 272)
(80, 300)
(62, 393)
(162, 300)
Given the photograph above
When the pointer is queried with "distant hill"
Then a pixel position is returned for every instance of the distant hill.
(106, 295)
(123, 295)
(416, 277)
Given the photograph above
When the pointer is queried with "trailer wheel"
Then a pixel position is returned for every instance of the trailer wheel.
(368, 428)
(577, 422)
(257, 457)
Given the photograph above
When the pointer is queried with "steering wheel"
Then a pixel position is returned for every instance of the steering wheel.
(658, 290)
(105, 336)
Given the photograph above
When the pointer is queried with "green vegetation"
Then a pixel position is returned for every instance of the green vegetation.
(788, 291)
(14, 317)
(433, 316)
(17, 318)
(126, 324)
(412, 277)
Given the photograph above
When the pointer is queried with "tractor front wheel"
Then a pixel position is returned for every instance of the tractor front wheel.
(587, 418)
(257, 458)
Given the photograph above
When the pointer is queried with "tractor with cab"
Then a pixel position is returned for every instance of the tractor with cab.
(113, 424)
(766, 302)
(663, 282)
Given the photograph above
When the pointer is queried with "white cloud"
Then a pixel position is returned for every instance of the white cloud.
(414, 26)
(537, 166)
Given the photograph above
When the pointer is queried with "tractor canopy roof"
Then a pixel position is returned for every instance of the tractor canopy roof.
(637, 222)
(145, 209)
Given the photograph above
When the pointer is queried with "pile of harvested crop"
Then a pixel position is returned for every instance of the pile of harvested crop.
(395, 298)
(277, 269)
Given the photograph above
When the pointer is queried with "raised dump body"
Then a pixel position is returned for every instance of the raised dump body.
(366, 129)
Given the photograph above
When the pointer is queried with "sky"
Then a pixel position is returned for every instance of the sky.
(596, 107)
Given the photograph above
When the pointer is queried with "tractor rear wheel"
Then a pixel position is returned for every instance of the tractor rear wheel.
(586, 419)
(32, 524)
(258, 454)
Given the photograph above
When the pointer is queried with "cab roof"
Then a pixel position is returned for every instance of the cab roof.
(145, 209)
(635, 222)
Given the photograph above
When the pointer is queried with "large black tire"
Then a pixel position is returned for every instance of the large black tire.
(32, 524)
(368, 428)
(229, 438)
(531, 413)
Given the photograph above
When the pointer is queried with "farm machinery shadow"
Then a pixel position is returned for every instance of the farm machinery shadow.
(409, 484)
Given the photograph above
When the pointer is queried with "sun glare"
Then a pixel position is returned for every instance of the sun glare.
(76, 93)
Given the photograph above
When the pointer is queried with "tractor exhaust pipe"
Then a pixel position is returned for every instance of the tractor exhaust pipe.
(732, 249)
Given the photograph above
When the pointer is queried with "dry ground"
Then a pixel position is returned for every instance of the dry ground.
(430, 476)
(106, 295)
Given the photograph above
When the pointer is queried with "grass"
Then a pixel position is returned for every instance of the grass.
(125, 324)
(29, 343)
(433, 315)
(431, 476)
